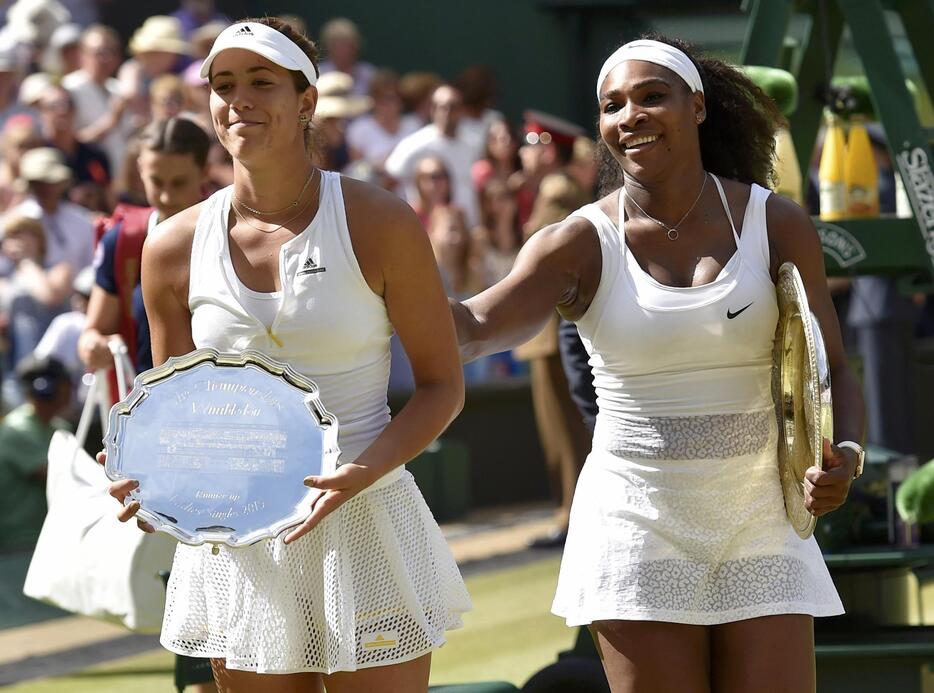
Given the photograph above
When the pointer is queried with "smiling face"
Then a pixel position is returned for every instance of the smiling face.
(255, 106)
(649, 119)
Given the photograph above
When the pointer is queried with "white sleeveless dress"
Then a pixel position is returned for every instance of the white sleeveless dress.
(375, 583)
(678, 514)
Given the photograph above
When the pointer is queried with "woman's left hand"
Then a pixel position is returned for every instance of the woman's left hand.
(825, 489)
(333, 492)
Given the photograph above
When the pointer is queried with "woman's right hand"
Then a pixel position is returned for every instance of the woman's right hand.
(120, 490)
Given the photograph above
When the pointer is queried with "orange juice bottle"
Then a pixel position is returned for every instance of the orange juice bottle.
(830, 175)
(860, 173)
(787, 170)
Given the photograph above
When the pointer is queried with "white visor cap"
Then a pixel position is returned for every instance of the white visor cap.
(265, 41)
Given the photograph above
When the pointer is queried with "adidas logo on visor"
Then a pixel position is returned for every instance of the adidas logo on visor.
(244, 31)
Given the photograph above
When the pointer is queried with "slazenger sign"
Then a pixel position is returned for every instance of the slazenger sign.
(840, 244)
(919, 183)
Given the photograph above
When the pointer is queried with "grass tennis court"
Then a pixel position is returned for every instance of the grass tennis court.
(508, 636)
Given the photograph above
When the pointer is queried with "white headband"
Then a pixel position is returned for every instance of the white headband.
(265, 41)
(654, 52)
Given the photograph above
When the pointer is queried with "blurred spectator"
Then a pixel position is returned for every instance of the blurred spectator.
(158, 47)
(495, 242)
(128, 187)
(60, 340)
(450, 239)
(416, 89)
(198, 97)
(9, 87)
(99, 108)
(23, 246)
(501, 156)
(88, 164)
(32, 293)
(194, 14)
(63, 54)
(432, 187)
(583, 166)
(31, 23)
(336, 105)
(342, 42)
(547, 147)
(25, 435)
(440, 139)
(20, 134)
(68, 231)
(166, 97)
(172, 165)
(477, 85)
(201, 41)
(371, 138)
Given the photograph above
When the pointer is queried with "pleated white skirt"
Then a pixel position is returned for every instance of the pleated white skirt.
(374, 584)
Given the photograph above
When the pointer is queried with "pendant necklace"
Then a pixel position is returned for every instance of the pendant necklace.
(672, 230)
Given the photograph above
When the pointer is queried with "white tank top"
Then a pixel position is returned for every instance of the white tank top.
(327, 324)
(662, 351)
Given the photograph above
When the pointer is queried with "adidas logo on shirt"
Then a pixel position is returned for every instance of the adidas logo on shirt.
(245, 30)
(311, 267)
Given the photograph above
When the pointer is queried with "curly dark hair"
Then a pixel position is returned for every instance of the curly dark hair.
(737, 138)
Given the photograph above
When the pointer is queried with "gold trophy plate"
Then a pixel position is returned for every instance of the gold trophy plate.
(801, 390)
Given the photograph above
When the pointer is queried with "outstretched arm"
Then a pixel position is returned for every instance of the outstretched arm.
(559, 267)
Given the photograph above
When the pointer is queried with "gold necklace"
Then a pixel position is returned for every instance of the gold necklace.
(291, 218)
(256, 212)
(672, 230)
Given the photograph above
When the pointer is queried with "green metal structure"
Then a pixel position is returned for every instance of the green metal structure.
(887, 244)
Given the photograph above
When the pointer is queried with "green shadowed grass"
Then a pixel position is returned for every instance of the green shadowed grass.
(508, 636)
(147, 673)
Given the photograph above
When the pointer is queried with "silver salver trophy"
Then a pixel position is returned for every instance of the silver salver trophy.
(220, 444)
(801, 390)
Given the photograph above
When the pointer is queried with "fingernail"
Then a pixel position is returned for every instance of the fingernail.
(310, 481)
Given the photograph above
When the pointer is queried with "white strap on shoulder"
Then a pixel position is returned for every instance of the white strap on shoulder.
(726, 208)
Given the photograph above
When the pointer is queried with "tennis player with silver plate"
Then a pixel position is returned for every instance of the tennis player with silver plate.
(801, 389)
(220, 444)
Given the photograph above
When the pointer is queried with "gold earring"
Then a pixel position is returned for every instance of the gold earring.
(303, 119)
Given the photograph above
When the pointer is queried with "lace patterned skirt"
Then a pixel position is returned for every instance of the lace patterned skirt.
(374, 584)
(681, 519)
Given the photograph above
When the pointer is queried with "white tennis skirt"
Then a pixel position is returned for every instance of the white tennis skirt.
(374, 584)
(684, 539)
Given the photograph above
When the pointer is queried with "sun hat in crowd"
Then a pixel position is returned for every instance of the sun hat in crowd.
(44, 165)
(31, 88)
(159, 33)
(335, 99)
(34, 21)
(204, 37)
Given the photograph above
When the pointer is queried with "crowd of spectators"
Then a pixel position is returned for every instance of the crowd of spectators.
(74, 98)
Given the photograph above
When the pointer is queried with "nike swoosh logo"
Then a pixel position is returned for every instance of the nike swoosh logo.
(730, 315)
